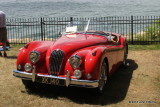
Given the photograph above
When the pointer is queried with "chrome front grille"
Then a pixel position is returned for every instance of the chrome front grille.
(56, 61)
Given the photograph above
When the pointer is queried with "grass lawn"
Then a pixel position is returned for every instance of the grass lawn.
(144, 47)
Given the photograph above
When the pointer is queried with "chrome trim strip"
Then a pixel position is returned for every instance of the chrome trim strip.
(85, 83)
(69, 81)
(23, 75)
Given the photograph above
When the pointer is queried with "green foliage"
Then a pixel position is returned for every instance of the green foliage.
(17, 45)
(149, 35)
(153, 31)
(144, 47)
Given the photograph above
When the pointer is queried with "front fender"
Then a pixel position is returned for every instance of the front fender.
(39, 46)
(93, 62)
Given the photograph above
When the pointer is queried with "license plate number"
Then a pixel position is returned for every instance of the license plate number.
(52, 81)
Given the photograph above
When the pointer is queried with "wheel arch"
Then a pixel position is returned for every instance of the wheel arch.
(107, 63)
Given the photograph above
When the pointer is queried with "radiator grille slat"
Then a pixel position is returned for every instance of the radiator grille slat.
(56, 61)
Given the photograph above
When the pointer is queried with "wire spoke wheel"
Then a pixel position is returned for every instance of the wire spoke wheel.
(103, 77)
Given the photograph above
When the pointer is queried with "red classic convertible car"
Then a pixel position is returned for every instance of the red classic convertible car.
(78, 58)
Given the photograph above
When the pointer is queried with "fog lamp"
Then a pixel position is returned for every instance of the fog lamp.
(77, 74)
(28, 67)
(19, 67)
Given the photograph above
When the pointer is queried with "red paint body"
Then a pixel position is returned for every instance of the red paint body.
(93, 49)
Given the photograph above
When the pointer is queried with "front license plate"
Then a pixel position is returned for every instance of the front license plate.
(52, 81)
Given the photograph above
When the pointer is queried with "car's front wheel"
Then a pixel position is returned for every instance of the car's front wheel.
(103, 77)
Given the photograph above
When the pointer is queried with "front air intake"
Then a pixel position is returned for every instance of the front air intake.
(56, 61)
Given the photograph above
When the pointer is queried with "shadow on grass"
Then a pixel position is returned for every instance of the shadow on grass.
(116, 90)
(11, 57)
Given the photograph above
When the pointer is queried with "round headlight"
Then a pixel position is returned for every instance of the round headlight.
(28, 67)
(77, 74)
(34, 56)
(75, 61)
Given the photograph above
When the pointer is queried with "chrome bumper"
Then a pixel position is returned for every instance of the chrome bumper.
(53, 79)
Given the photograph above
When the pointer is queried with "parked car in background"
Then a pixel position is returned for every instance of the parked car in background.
(82, 57)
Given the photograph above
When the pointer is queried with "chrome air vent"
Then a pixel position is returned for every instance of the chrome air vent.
(56, 61)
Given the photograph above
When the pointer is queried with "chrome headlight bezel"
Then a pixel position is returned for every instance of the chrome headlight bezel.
(34, 56)
(75, 61)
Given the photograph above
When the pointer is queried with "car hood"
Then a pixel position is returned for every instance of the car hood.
(73, 42)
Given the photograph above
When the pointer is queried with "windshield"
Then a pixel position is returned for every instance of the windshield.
(87, 27)
(77, 26)
(91, 27)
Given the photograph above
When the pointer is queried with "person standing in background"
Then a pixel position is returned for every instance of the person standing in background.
(3, 32)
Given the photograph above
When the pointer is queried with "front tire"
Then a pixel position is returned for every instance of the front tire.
(103, 78)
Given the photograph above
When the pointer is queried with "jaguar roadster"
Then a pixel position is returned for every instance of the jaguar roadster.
(85, 58)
